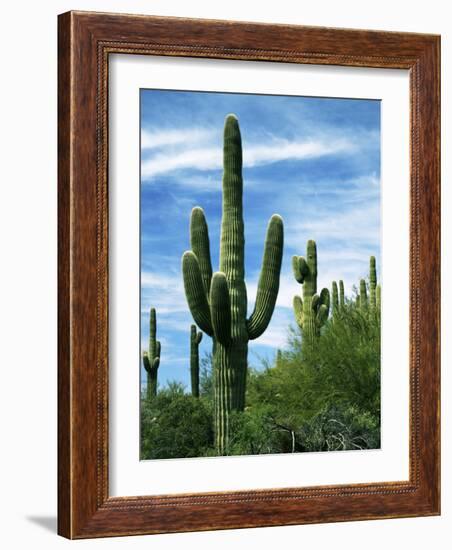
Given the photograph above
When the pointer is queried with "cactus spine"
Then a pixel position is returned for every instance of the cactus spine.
(195, 340)
(151, 358)
(311, 311)
(218, 302)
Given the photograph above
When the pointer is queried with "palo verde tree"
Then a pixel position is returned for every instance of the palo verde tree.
(151, 358)
(218, 302)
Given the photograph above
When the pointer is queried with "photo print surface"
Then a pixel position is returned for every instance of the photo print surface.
(260, 262)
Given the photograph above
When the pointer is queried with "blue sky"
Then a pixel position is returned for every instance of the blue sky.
(314, 161)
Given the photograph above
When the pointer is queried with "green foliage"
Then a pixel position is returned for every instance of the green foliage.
(218, 302)
(175, 425)
(311, 399)
(339, 377)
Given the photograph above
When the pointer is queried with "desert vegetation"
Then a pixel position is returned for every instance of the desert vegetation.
(320, 393)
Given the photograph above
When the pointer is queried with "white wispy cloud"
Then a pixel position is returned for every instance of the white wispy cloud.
(165, 292)
(211, 158)
(160, 138)
(359, 224)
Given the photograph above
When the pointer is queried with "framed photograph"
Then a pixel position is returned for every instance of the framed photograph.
(249, 295)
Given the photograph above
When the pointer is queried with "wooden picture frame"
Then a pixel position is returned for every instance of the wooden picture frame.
(86, 40)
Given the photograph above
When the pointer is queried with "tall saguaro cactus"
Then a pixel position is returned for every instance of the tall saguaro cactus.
(151, 358)
(195, 340)
(218, 302)
(311, 311)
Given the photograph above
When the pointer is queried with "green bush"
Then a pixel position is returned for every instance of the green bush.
(312, 399)
(175, 425)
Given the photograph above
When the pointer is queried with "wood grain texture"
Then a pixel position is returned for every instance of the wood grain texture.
(85, 42)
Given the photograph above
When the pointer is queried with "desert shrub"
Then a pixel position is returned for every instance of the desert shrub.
(175, 425)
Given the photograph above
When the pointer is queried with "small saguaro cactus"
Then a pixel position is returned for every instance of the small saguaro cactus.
(195, 340)
(372, 283)
(337, 299)
(361, 299)
(341, 294)
(311, 311)
(151, 358)
(218, 302)
(334, 299)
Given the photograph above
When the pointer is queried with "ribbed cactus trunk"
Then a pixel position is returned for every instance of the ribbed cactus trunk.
(218, 303)
(311, 311)
(378, 298)
(362, 300)
(372, 284)
(334, 299)
(151, 358)
(195, 340)
(338, 298)
(341, 294)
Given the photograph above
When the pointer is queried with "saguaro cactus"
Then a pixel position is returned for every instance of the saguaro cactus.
(361, 299)
(311, 312)
(337, 299)
(151, 358)
(372, 284)
(334, 299)
(195, 340)
(341, 294)
(371, 302)
(218, 302)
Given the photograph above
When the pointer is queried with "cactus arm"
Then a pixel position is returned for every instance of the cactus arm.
(300, 268)
(298, 310)
(146, 363)
(268, 286)
(322, 315)
(341, 294)
(198, 338)
(315, 302)
(194, 292)
(325, 298)
(199, 242)
(220, 308)
(156, 363)
(159, 348)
